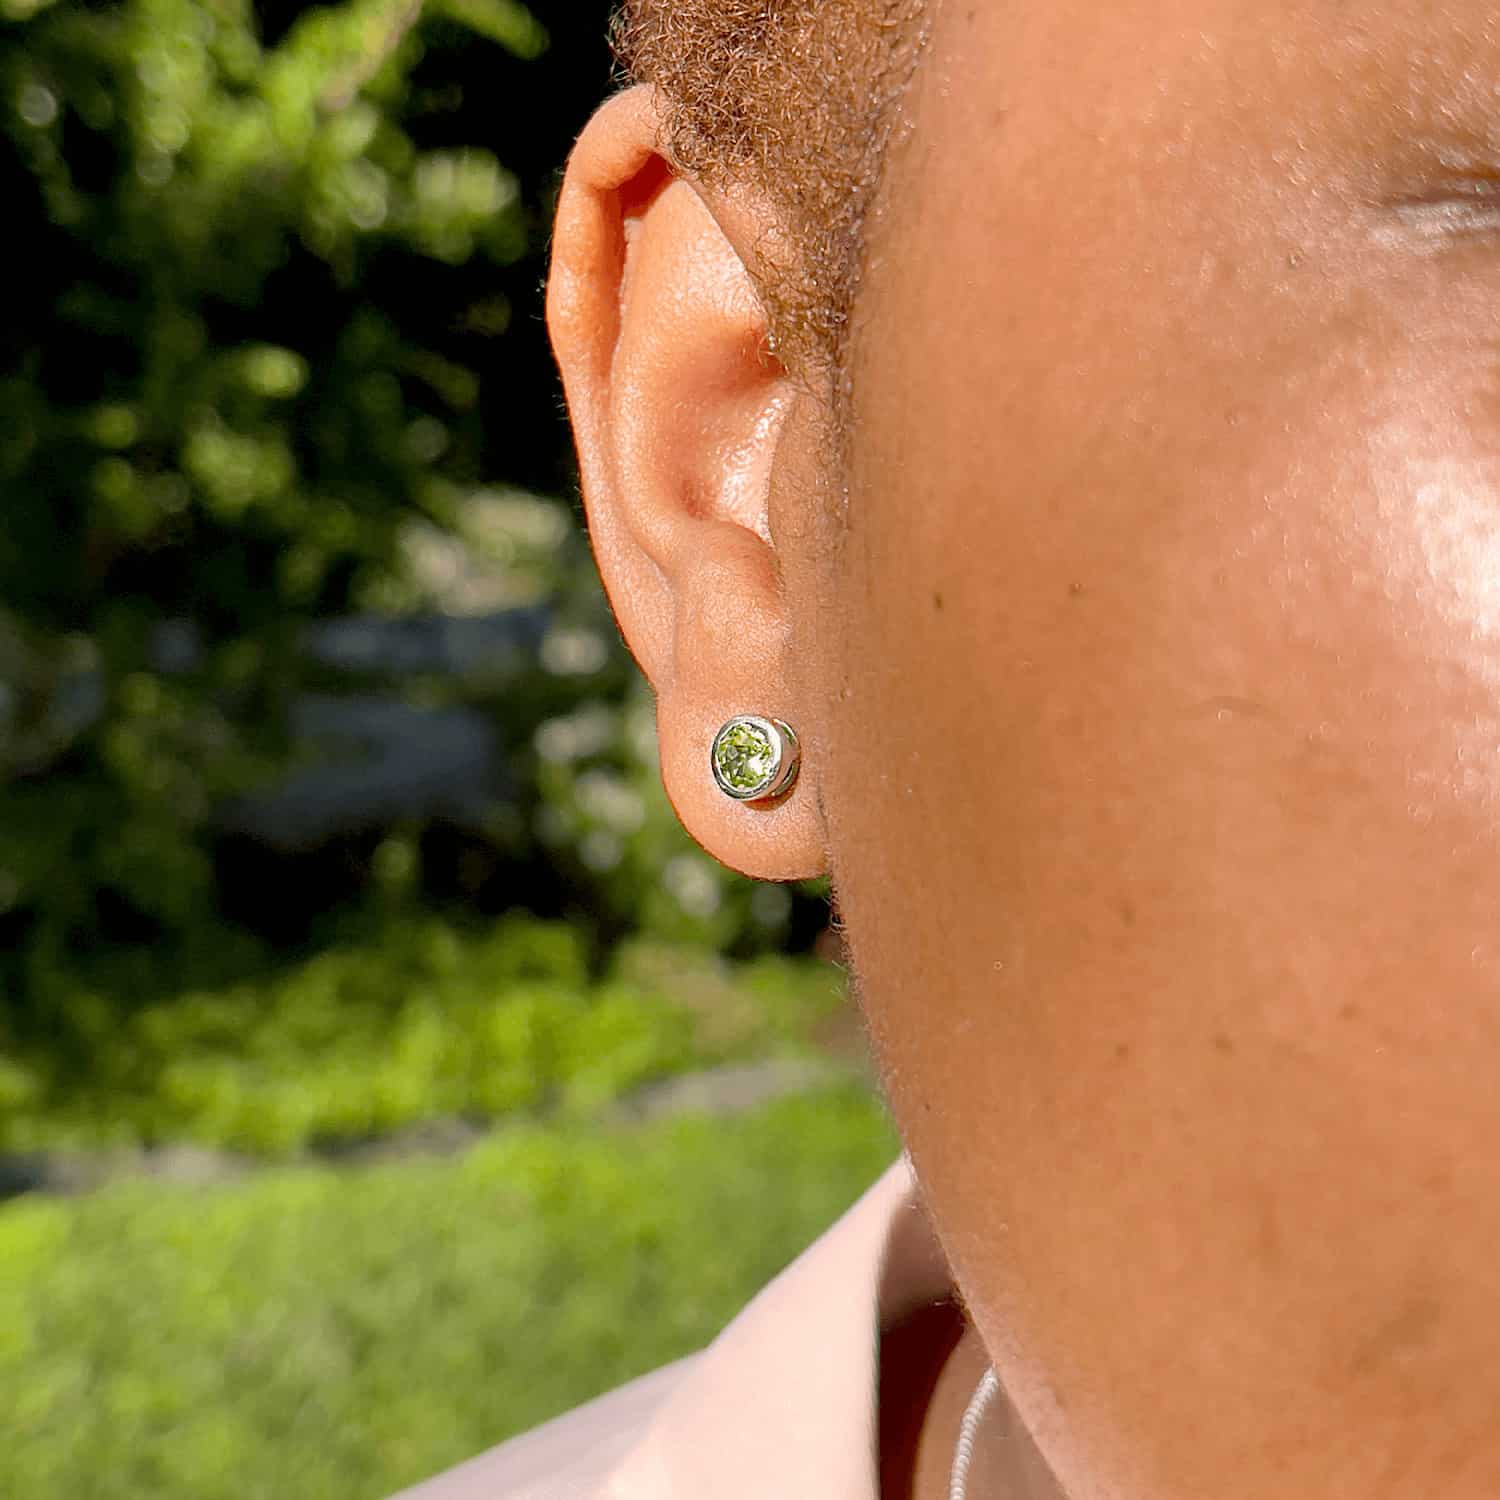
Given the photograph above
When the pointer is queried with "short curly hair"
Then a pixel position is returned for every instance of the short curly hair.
(801, 97)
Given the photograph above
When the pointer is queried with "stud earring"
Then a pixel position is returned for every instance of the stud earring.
(755, 759)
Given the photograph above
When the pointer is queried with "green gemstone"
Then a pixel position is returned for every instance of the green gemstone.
(745, 757)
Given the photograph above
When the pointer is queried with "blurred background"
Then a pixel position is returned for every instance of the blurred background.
(382, 1070)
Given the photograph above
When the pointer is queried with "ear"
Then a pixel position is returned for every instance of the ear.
(679, 412)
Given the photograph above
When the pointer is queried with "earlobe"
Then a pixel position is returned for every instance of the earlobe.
(679, 413)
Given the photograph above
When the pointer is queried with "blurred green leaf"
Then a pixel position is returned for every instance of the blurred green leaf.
(504, 21)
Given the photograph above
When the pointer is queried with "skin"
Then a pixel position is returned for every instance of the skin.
(1146, 657)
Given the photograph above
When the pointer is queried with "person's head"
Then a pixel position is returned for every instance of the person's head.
(1081, 422)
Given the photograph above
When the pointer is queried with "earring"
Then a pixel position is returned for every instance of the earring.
(755, 759)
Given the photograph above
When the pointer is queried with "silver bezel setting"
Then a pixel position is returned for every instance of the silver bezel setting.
(786, 759)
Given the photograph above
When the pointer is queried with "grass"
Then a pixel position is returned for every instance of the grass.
(416, 1020)
(309, 1334)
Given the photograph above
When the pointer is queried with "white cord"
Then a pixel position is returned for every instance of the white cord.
(968, 1434)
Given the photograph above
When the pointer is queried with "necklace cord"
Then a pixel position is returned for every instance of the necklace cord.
(968, 1435)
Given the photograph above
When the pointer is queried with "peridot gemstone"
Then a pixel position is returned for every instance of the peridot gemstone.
(745, 757)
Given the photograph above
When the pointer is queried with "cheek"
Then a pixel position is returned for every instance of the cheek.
(1227, 732)
(1169, 852)
(1168, 732)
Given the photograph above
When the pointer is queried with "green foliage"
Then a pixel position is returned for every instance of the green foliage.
(181, 166)
(216, 403)
(422, 1020)
(313, 1336)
